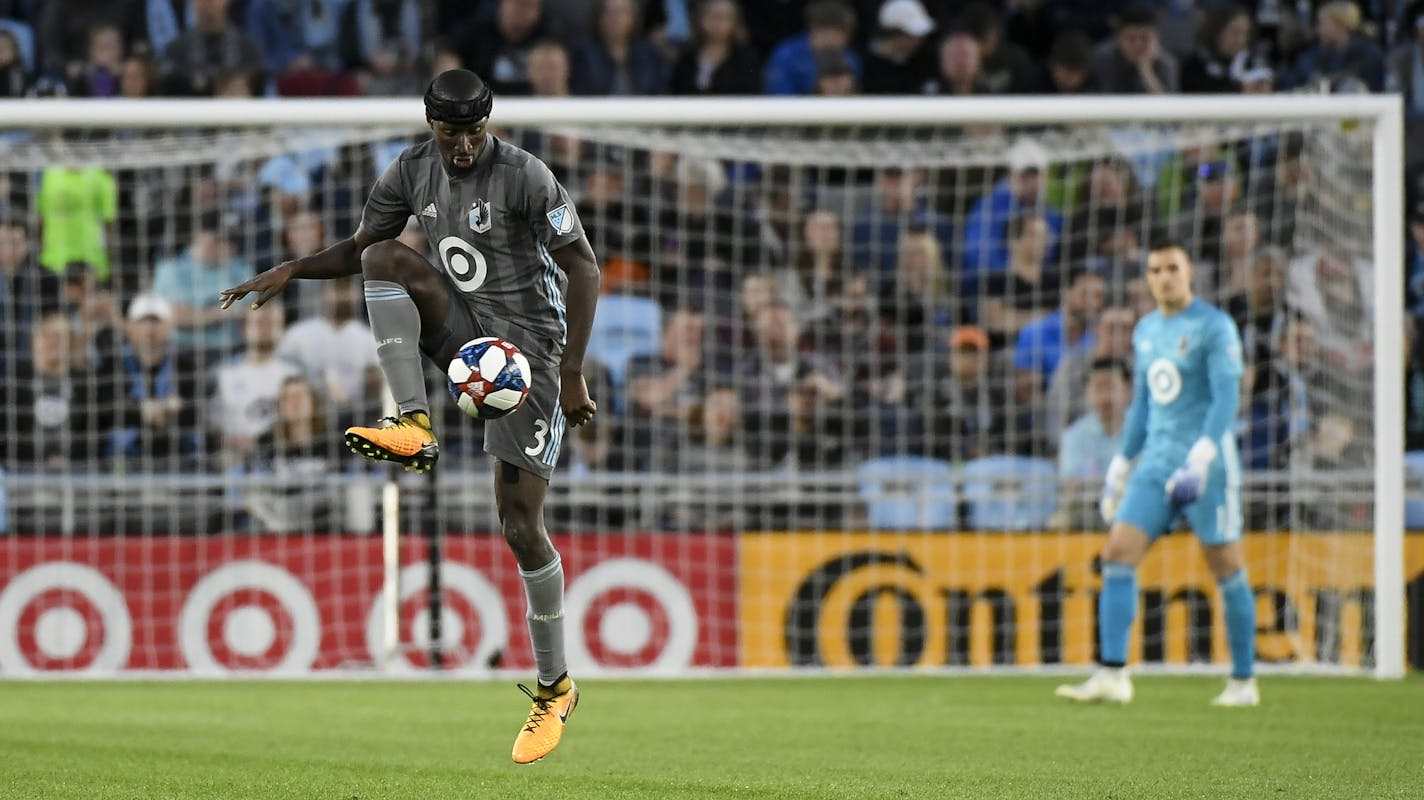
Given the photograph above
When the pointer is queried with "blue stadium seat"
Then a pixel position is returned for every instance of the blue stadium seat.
(1413, 500)
(625, 326)
(1010, 493)
(908, 492)
(24, 41)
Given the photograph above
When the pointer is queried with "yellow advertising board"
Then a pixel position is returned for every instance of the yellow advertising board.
(934, 599)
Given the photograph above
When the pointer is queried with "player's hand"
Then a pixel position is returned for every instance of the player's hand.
(267, 285)
(1113, 487)
(577, 406)
(1185, 485)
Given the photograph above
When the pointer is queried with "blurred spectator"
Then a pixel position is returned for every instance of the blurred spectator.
(1201, 222)
(1132, 61)
(900, 58)
(1069, 69)
(1413, 386)
(25, 291)
(615, 220)
(77, 208)
(149, 392)
(960, 67)
(966, 411)
(1102, 205)
(382, 39)
(14, 77)
(1223, 61)
(1278, 409)
(1405, 75)
(498, 49)
(835, 75)
(1227, 271)
(212, 46)
(718, 61)
(1005, 67)
(920, 306)
(548, 65)
(334, 350)
(1045, 341)
(1413, 265)
(705, 244)
(138, 77)
(1112, 341)
(98, 74)
(191, 281)
(237, 84)
(1280, 192)
(247, 387)
(791, 69)
(1095, 437)
(298, 447)
(900, 204)
(985, 248)
(1332, 292)
(664, 387)
(1258, 307)
(295, 35)
(712, 443)
(48, 401)
(668, 26)
(793, 398)
(63, 28)
(820, 265)
(1343, 57)
(618, 60)
(1027, 289)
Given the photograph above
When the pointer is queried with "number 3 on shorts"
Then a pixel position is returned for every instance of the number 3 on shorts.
(541, 432)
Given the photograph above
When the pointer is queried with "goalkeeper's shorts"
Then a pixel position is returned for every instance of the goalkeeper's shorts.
(1215, 517)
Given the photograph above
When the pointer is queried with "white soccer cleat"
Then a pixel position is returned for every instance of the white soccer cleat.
(1239, 693)
(1107, 685)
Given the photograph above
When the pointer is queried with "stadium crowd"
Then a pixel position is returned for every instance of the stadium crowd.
(948, 314)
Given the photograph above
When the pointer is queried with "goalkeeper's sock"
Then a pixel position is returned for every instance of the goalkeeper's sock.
(544, 589)
(1117, 606)
(395, 322)
(1240, 605)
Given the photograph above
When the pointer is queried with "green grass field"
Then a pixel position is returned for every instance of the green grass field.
(970, 737)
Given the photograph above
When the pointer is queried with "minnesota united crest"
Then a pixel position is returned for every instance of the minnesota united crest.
(480, 220)
(1183, 346)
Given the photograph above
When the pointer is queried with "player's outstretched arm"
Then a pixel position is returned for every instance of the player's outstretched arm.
(577, 261)
(336, 261)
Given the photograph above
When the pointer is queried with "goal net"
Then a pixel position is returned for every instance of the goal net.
(860, 368)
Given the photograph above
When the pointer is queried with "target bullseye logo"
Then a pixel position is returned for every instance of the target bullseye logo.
(474, 623)
(249, 615)
(63, 616)
(627, 613)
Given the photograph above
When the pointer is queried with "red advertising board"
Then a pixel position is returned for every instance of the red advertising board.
(299, 603)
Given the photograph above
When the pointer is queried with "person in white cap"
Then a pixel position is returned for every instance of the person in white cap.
(1022, 189)
(900, 59)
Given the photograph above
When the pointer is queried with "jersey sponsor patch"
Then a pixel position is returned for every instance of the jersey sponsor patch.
(561, 219)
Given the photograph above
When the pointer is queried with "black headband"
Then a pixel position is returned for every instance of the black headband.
(458, 112)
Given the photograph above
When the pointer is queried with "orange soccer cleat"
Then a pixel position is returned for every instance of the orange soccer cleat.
(553, 705)
(406, 440)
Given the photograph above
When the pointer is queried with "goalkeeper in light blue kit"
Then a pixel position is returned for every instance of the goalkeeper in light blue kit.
(1187, 389)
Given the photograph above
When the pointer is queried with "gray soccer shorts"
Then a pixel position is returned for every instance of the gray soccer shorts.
(532, 436)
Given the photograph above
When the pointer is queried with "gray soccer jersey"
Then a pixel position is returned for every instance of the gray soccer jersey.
(492, 232)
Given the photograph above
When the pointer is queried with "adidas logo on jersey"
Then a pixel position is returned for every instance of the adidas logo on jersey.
(429, 211)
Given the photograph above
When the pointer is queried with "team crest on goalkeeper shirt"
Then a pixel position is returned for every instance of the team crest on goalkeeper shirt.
(1183, 345)
(480, 218)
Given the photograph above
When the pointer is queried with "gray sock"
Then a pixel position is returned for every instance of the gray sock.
(395, 321)
(544, 589)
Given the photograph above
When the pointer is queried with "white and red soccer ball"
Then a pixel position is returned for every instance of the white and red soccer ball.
(489, 377)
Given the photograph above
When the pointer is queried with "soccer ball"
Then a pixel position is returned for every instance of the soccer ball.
(489, 377)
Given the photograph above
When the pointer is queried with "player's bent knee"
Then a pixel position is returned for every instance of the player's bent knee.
(386, 261)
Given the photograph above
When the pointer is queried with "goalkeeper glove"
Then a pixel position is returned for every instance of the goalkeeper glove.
(1186, 484)
(1113, 486)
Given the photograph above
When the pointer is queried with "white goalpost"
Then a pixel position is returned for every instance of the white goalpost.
(777, 546)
